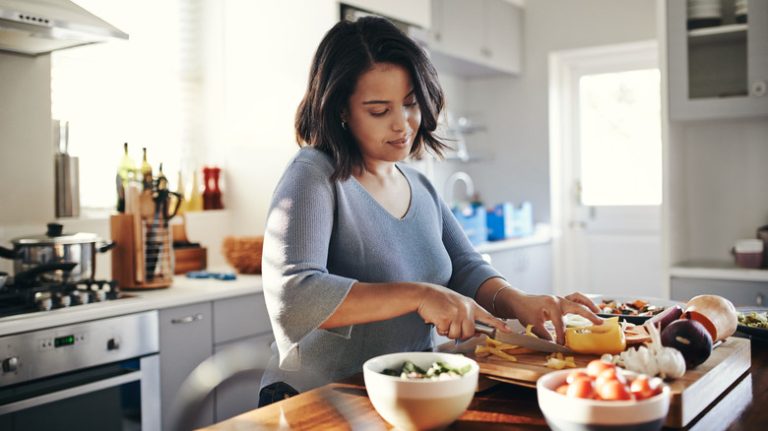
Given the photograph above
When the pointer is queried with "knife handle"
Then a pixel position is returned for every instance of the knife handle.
(485, 329)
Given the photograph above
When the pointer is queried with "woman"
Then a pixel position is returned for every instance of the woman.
(361, 256)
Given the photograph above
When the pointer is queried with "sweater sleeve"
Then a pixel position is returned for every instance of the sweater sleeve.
(299, 291)
(469, 269)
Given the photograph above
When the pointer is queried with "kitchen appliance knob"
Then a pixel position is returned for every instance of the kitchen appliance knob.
(44, 304)
(64, 301)
(99, 296)
(10, 364)
(113, 344)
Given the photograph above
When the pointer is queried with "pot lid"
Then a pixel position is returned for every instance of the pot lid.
(54, 235)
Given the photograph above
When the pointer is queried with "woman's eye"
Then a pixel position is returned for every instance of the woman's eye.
(411, 104)
(379, 114)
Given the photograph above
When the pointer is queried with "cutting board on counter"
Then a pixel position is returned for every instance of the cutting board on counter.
(691, 394)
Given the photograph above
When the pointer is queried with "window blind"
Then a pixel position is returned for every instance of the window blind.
(145, 91)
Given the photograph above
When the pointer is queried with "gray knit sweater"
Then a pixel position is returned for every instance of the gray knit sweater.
(323, 236)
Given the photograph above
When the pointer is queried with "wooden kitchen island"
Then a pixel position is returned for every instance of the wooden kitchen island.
(345, 405)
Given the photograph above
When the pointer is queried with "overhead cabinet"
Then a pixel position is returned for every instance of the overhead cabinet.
(720, 71)
(476, 38)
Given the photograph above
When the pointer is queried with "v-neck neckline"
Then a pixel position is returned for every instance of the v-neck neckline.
(378, 204)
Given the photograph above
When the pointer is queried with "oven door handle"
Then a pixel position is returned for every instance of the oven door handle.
(70, 392)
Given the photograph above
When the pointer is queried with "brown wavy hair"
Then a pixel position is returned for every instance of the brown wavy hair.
(348, 50)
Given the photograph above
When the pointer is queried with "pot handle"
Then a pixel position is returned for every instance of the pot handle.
(8, 253)
(106, 246)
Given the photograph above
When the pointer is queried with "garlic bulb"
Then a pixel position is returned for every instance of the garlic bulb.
(654, 359)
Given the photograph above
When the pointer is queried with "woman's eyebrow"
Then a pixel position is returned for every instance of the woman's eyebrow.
(374, 102)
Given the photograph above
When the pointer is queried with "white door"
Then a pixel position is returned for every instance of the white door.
(607, 170)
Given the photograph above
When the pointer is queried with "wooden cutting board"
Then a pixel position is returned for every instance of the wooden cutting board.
(691, 394)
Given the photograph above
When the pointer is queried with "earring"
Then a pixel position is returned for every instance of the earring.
(344, 125)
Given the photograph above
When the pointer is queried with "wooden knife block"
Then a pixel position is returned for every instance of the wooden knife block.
(129, 257)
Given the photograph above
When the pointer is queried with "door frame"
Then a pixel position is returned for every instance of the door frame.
(564, 66)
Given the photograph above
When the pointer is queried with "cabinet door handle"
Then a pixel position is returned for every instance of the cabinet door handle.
(759, 299)
(759, 88)
(187, 319)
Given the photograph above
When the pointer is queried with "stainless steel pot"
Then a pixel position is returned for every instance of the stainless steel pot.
(56, 247)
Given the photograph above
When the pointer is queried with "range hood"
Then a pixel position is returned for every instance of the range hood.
(35, 27)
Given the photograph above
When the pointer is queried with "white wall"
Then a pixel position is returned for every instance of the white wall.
(26, 139)
(516, 109)
(259, 73)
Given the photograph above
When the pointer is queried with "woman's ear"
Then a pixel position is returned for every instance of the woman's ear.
(344, 115)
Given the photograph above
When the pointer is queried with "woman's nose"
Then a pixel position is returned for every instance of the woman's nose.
(400, 121)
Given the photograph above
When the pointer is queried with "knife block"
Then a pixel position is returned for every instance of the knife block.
(143, 257)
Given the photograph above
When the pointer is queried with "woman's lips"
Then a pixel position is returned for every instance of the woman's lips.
(399, 142)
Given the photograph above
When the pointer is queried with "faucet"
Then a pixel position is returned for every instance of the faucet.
(450, 183)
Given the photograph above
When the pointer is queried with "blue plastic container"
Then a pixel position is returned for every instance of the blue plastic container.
(507, 221)
(473, 220)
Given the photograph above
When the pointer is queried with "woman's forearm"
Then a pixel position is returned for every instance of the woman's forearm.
(503, 293)
(373, 302)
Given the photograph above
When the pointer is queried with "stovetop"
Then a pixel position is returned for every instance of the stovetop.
(46, 296)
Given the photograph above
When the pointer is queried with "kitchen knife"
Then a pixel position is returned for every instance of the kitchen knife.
(521, 340)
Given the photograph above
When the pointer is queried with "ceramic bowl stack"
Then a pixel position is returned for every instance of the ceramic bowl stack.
(704, 13)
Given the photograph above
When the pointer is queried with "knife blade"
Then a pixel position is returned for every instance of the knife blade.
(521, 340)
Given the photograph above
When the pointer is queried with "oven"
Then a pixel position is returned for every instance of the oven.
(97, 375)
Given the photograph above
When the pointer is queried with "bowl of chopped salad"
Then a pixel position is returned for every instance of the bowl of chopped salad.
(753, 321)
(420, 390)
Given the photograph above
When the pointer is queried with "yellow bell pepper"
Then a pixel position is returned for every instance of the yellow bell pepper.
(597, 339)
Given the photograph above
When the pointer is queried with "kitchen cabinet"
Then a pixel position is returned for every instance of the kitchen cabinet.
(476, 38)
(741, 293)
(411, 11)
(240, 394)
(186, 340)
(527, 268)
(718, 72)
(191, 334)
(240, 320)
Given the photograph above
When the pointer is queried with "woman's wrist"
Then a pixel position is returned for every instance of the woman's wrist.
(506, 301)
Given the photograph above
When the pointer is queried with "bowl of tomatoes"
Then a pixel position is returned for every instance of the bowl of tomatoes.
(602, 396)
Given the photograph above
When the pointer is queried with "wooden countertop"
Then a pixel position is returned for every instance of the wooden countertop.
(345, 405)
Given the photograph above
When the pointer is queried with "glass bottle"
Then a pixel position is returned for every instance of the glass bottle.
(212, 191)
(146, 171)
(195, 198)
(126, 172)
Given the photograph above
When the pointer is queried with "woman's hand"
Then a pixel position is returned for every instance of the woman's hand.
(537, 309)
(453, 314)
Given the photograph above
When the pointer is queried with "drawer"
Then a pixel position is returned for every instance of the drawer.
(741, 293)
(240, 317)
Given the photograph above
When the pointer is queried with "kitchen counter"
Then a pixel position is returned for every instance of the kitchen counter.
(345, 405)
(541, 235)
(183, 291)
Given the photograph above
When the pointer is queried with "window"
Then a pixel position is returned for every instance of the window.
(144, 91)
(620, 127)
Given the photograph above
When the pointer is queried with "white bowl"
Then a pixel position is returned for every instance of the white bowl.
(569, 414)
(419, 404)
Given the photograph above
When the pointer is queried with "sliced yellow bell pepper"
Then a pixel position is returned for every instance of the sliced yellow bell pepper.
(597, 339)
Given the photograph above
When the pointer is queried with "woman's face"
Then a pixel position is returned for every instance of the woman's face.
(383, 114)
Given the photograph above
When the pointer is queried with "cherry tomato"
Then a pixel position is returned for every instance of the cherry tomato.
(575, 375)
(613, 390)
(562, 389)
(641, 388)
(596, 366)
(581, 388)
(608, 375)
